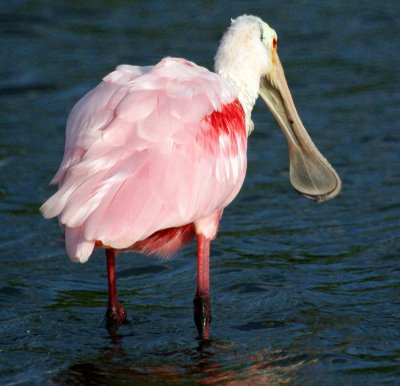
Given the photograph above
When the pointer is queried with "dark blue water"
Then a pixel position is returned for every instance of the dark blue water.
(301, 293)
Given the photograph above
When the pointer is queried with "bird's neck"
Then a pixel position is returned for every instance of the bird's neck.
(245, 86)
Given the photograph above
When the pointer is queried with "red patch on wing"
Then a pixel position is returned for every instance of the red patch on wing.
(228, 123)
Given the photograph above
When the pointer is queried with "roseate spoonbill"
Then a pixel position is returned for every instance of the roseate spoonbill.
(154, 154)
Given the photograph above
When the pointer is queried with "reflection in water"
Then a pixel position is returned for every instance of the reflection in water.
(203, 363)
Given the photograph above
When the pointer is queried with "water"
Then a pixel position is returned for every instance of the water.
(302, 293)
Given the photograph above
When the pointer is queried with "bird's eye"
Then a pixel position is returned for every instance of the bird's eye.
(262, 34)
(274, 43)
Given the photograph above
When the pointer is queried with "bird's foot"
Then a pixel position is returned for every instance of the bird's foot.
(202, 315)
(116, 314)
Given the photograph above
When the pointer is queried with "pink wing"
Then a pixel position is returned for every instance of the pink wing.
(148, 149)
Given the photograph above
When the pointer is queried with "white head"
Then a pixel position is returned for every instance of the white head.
(244, 56)
(248, 59)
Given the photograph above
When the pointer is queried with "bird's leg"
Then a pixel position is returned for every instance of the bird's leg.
(115, 312)
(202, 306)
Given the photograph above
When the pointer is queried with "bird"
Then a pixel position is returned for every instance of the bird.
(154, 154)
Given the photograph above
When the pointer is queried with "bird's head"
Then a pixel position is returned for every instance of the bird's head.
(248, 59)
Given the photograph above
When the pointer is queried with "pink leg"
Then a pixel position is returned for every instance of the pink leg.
(115, 312)
(202, 306)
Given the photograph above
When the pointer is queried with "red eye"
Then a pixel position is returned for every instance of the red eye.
(274, 43)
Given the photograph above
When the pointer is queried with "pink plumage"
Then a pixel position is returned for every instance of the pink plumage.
(149, 149)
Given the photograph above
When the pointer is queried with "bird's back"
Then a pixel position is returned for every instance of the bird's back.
(148, 149)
